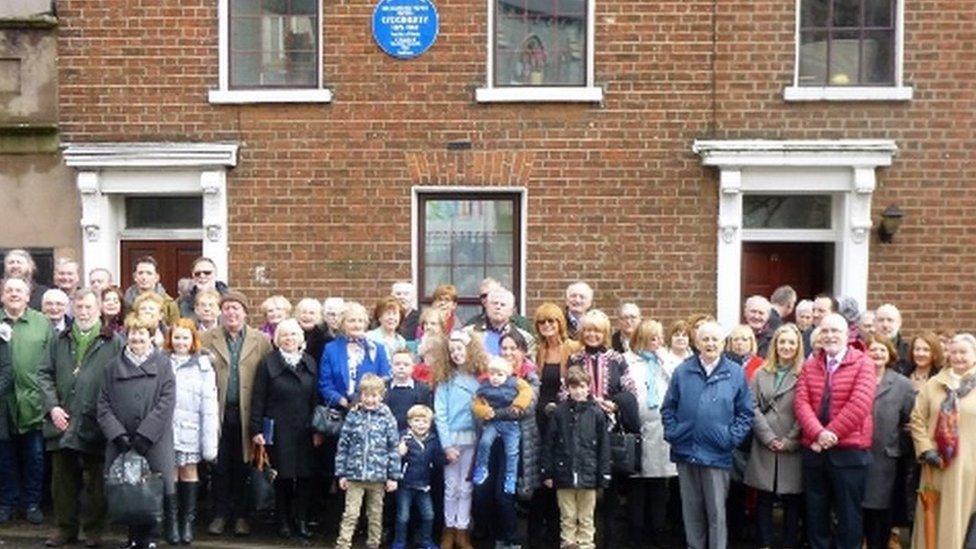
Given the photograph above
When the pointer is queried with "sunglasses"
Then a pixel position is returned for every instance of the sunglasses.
(202, 273)
(548, 321)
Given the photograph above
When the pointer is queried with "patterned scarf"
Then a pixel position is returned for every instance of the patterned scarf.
(947, 424)
(653, 370)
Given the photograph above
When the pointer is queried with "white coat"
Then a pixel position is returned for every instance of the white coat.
(195, 421)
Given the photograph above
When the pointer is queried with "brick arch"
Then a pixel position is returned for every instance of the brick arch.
(470, 167)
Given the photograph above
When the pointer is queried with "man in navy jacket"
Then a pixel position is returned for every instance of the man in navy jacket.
(707, 412)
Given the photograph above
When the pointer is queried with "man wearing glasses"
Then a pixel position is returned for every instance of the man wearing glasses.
(204, 278)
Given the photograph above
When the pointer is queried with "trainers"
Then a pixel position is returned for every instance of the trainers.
(34, 515)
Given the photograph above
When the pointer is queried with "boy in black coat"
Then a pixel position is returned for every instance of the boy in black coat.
(576, 460)
(403, 392)
(420, 454)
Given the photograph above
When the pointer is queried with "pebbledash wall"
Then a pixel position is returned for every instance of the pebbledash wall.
(633, 183)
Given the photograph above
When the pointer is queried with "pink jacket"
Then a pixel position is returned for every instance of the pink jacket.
(852, 398)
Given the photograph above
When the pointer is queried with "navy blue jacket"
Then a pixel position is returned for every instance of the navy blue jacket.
(401, 399)
(705, 418)
(422, 457)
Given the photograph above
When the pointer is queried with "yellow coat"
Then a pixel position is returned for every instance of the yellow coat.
(957, 483)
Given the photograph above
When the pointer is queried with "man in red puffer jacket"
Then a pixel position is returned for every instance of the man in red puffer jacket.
(834, 398)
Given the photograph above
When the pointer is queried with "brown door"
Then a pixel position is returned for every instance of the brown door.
(175, 258)
(806, 266)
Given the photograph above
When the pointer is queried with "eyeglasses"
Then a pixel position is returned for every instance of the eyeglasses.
(547, 321)
(202, 273)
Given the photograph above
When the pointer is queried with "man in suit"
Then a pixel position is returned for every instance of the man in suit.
(235, 351)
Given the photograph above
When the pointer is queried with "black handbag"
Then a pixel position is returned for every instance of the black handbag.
(133, 492)
(327, 421)
(625, 451)
(261, 480)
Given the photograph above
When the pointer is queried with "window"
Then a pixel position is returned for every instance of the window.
(270, 51)
(163, 212)
(540, 50)
(466, 237)
(848, 49)
(764, 211)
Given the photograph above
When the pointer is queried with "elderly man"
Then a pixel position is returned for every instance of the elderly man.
(756, 313)
(579, 299)
(833, 405)
(67, 275)
(804, 314)
(782, 303)
(99, 278)
(887, 323)
(22, 457)
(707, 412)
(406, 294)
(501, 305)
(487, 285)
(146, 279)
(236, 350)
(54, 305)
(204, 273)
(628, 319)
(865, 324)
(19, 264)
(823, 305)
(70, 378)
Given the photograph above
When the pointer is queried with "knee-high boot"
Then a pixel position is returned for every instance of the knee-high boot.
(187, 492)
(170, 531)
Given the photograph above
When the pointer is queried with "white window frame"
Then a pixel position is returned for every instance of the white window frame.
(523, 222)
(225, 95)
(898, 92)
(589, 93)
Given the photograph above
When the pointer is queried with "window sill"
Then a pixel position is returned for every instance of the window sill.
(589, 94)
(839, 93)
(240, 97)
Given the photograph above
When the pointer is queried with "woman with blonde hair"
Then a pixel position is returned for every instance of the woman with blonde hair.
(275, 309)
(775, 461)
(741, 348)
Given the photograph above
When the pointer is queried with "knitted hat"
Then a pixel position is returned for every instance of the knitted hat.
(235, 297)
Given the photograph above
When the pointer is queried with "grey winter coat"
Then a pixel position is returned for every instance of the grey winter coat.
(195, 423)
(140, 400)
(774, 419)
(893, 403)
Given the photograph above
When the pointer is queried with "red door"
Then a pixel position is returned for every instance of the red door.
(175, 258)
(806, 266)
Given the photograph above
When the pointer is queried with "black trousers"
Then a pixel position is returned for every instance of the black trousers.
(291, 499)
(832, 485)
(230, 474)
(792, 504)
(877, 527)
(647, 501)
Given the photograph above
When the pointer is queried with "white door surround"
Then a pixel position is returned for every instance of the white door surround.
(844, 169)
(107, 172)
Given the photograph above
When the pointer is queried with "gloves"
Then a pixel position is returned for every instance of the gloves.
(122, 443)
(931, 457)
(141, 444)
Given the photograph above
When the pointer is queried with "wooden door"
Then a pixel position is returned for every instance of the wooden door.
(175, 258)
(806, 266)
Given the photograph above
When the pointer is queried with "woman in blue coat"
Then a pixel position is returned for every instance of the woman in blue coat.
(349, 357)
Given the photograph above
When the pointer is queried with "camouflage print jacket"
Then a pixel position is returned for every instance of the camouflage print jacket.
(367, 449)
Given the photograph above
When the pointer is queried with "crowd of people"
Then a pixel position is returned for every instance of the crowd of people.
(450, 430)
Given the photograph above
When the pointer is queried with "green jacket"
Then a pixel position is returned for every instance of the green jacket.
(76, 390)
(31, 334)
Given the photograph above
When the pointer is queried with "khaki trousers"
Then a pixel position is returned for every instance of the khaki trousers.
(373, 493)
(576, 508)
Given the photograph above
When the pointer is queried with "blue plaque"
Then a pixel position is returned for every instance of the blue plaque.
(405, 28)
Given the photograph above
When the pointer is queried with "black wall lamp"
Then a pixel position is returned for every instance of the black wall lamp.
(890, 221)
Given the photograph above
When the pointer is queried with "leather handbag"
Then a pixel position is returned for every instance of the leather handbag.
(133, 492)
(261, 480)
(328, 421)
(625, 451)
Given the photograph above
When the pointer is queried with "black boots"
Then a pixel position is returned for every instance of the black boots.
(187, 494)
(170, 532)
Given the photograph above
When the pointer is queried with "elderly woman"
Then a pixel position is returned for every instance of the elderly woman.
(308, 313)
(135, 411)
(943, 427)
(707, 412)
(893, 402)
(275, 309)
(649, 490)
(149, 307)
(775, 463)
(113, 314)
(804, 314)
(741, 348)
(388, 314)
(206, 309)
(283, 401)
(348, 357)
(678, 343)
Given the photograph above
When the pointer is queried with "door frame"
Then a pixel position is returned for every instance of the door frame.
(843, 168)
(108, 172)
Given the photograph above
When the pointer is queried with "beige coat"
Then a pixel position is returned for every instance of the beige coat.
(255, 347)
(957, 490)
(779, 472)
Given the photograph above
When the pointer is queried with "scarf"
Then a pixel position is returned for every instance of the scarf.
(135, 359)
(84, 340)
(947, 424)
(291, 359)
(653, 370)
(781, 371)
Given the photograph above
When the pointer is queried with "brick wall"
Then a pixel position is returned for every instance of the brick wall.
(321, 195)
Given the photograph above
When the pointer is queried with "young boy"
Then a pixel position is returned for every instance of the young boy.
(500, 401)
(367, 462)
(576, 460)
(404, 391)
(420, 453)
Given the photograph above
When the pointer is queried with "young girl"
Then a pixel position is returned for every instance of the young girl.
(195, 424)
(456, 368)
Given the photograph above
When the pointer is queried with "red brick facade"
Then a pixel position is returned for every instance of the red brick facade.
(321, 195)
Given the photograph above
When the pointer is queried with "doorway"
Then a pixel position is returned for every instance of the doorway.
(806, 266)
(175, 258)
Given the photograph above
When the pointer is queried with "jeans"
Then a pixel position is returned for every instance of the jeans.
(509, 431)
(406, 498)
(22, 470)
